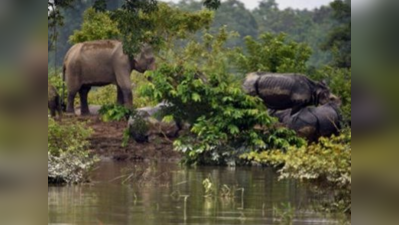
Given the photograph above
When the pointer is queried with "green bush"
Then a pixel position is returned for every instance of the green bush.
(115, 113)
(327, 163)
(272, 53)
(68, 156)
(225, 121)
(95, 26)
(67, 137)
(55, 79)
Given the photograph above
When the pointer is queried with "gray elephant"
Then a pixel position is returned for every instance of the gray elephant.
(286, 91)
(313, 122)
(100, 63)
(53, 99)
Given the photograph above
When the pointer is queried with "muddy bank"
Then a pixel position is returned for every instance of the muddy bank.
(106, 142)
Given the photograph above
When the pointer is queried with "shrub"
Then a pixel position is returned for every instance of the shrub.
(114, 113)
(68, 156)
(225, 121)
(327, 163)
(55, 79)
(272, 53)
(96, 26)
(67, 137)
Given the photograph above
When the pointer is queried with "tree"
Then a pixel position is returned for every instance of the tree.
(234, 15)
(95, 26)
(339, 40)
(310, 27)
(272, 53)
(132, 25)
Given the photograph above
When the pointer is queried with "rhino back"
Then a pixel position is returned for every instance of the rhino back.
(304, 118)
(282, 91)
(94, 62)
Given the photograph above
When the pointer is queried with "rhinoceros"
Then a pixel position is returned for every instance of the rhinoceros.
(315, 122)
(53, 100)
(100, 63)
(152, 117)
(286, 91)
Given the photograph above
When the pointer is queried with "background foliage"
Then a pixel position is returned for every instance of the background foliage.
(304, 26)
(272, 53)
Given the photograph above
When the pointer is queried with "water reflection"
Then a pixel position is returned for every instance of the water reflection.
(161, 194)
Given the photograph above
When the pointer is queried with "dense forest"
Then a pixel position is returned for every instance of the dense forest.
(313, 27)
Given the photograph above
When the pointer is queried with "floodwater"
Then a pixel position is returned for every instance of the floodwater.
(164, 193)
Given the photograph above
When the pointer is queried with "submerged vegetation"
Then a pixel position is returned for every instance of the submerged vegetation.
(327, 163)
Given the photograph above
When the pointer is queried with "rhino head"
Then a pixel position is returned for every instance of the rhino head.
(145, 60)
(323, 94)
(249, 86)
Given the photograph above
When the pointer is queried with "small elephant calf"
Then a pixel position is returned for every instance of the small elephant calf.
(54, 103)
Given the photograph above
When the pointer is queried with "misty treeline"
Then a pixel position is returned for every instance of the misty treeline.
(326, 29)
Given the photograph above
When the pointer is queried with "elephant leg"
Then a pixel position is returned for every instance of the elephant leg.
(71, 101)
(124, 83)
(120, 98)
(84, 106)
(59, 107)
(51, 106)
(128, 98)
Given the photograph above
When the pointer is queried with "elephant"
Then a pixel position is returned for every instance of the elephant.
(286, 91)
(100, 63)
(53, 100)
(313, 122)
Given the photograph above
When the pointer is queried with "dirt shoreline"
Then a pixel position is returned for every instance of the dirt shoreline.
(106, 142)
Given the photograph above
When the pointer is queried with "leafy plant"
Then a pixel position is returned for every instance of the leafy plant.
(68, 157)
(327, 163)
(272, 53)
(67, 137)
(114, 113)
(225, 121)
(138, 128)
(96, 26)
(55, 79)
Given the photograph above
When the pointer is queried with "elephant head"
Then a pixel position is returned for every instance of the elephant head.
(145, 60)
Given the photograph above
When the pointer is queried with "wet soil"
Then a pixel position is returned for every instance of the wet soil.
(107, 138)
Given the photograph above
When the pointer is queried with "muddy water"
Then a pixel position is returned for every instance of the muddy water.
(161, 194)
